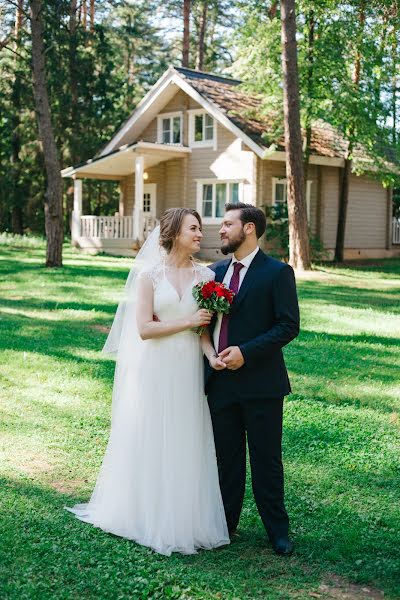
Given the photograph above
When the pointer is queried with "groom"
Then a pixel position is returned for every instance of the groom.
(246, 395)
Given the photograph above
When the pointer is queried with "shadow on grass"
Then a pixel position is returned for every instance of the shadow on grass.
(326, 366)
(53, 551)
(38, 304)
(20, 268)
(353, 297)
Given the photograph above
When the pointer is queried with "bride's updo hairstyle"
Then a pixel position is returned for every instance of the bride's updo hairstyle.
(171, 223)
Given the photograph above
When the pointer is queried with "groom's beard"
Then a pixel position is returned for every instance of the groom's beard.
(233, 245)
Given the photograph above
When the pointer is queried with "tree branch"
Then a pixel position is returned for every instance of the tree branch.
(27, 15)
(17, 54)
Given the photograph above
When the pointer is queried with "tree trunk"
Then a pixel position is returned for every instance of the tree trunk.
(17, 199)
(273, 9)
(343, 201)
(202, 35)
(53, 207)
(299, 251)
(344, 188)
(91, 16)
(394, 85)
(84, 14)
(186, 33)
(310, 22)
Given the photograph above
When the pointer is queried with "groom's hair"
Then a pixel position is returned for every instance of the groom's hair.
(250, 214)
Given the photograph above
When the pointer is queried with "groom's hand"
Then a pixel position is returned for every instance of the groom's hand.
(232, 357)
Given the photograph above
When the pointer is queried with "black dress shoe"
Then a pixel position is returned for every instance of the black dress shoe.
(283, 546)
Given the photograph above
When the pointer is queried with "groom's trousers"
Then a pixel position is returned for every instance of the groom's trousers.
(261, 420)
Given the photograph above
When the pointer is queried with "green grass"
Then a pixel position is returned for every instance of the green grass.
(341, 443)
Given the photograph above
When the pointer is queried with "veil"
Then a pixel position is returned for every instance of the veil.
(124, 343)
(124, 328)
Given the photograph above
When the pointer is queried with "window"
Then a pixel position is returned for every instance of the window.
(213, 195)
(170, 128)
(202, 131)
(146, 202)
(279, 193)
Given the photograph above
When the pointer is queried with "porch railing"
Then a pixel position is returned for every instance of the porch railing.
(114, 228)
(395, 231)
(109, 228)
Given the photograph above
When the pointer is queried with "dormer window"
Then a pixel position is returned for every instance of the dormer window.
(169, 126)
(202, 129)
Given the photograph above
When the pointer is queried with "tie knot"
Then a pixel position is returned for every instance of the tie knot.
(237, 266)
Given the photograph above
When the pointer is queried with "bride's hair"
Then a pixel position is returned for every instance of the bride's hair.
(171, 223)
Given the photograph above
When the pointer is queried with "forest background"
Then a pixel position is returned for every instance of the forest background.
(102, 57)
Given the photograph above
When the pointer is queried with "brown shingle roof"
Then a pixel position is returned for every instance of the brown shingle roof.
(247, 112)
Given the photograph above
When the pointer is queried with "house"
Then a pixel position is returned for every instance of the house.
(198, 140)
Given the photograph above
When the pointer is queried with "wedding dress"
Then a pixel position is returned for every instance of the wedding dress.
(158, 484)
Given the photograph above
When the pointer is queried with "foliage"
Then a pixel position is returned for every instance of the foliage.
(365, 114)
(95, 79)
(277, 234)
(341, 439)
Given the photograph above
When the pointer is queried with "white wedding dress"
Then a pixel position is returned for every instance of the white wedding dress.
(158, 484)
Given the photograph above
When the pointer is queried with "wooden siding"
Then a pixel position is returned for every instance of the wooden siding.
(228, 161)
(180, 102)
(366, 213)
(366, 217)
(329, 193)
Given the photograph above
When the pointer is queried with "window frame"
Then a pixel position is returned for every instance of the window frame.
(170, 116)
(212, 143)
(214, 182)
(283, 180)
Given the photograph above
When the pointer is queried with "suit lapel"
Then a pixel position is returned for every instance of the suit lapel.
(221, 270)
(249, 278)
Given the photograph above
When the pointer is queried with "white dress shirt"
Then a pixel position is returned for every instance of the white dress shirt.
(246, 262)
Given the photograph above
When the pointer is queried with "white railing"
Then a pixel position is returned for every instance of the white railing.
(395, 231)
(109, 228)
(114, 228)
(149, 223)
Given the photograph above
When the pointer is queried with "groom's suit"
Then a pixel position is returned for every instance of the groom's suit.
(264, 318)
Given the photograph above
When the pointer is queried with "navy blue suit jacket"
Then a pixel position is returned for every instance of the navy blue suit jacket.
(264, 317)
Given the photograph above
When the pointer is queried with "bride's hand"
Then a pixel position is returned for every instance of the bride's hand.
(217, 363)
(202, 317)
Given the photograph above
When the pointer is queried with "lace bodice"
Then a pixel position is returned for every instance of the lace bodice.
(159, 271)
(173, 287)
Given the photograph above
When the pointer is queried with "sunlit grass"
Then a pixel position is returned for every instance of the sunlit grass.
(341, 442)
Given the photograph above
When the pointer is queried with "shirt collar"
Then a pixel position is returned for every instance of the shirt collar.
(246, 261)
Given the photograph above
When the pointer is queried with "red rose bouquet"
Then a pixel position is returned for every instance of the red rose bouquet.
(213, 296)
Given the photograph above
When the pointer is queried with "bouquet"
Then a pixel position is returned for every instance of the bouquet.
(213, 296)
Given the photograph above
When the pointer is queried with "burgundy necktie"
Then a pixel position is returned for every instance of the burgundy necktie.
(234, 286)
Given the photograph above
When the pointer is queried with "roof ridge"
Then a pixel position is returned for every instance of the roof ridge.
(196, 74)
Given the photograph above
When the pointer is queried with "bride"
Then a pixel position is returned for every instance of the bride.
(158, 484)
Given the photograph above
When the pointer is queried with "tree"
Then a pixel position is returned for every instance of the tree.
(53, 198)
(345, 179)
(348, 72)
(17, 199)
(202, 35)
(186, 33)
(299, 252)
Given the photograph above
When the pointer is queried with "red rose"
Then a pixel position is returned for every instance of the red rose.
(207, 290)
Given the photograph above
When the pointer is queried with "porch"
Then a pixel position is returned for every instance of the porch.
(135, 168)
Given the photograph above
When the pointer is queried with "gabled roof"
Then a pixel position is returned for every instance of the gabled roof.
(236, 109)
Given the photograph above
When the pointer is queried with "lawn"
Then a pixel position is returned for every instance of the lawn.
(341, 444)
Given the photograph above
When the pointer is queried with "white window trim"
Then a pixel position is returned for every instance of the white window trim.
(199, 197)
(192, 113)
(283, 180)
(170, 116)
